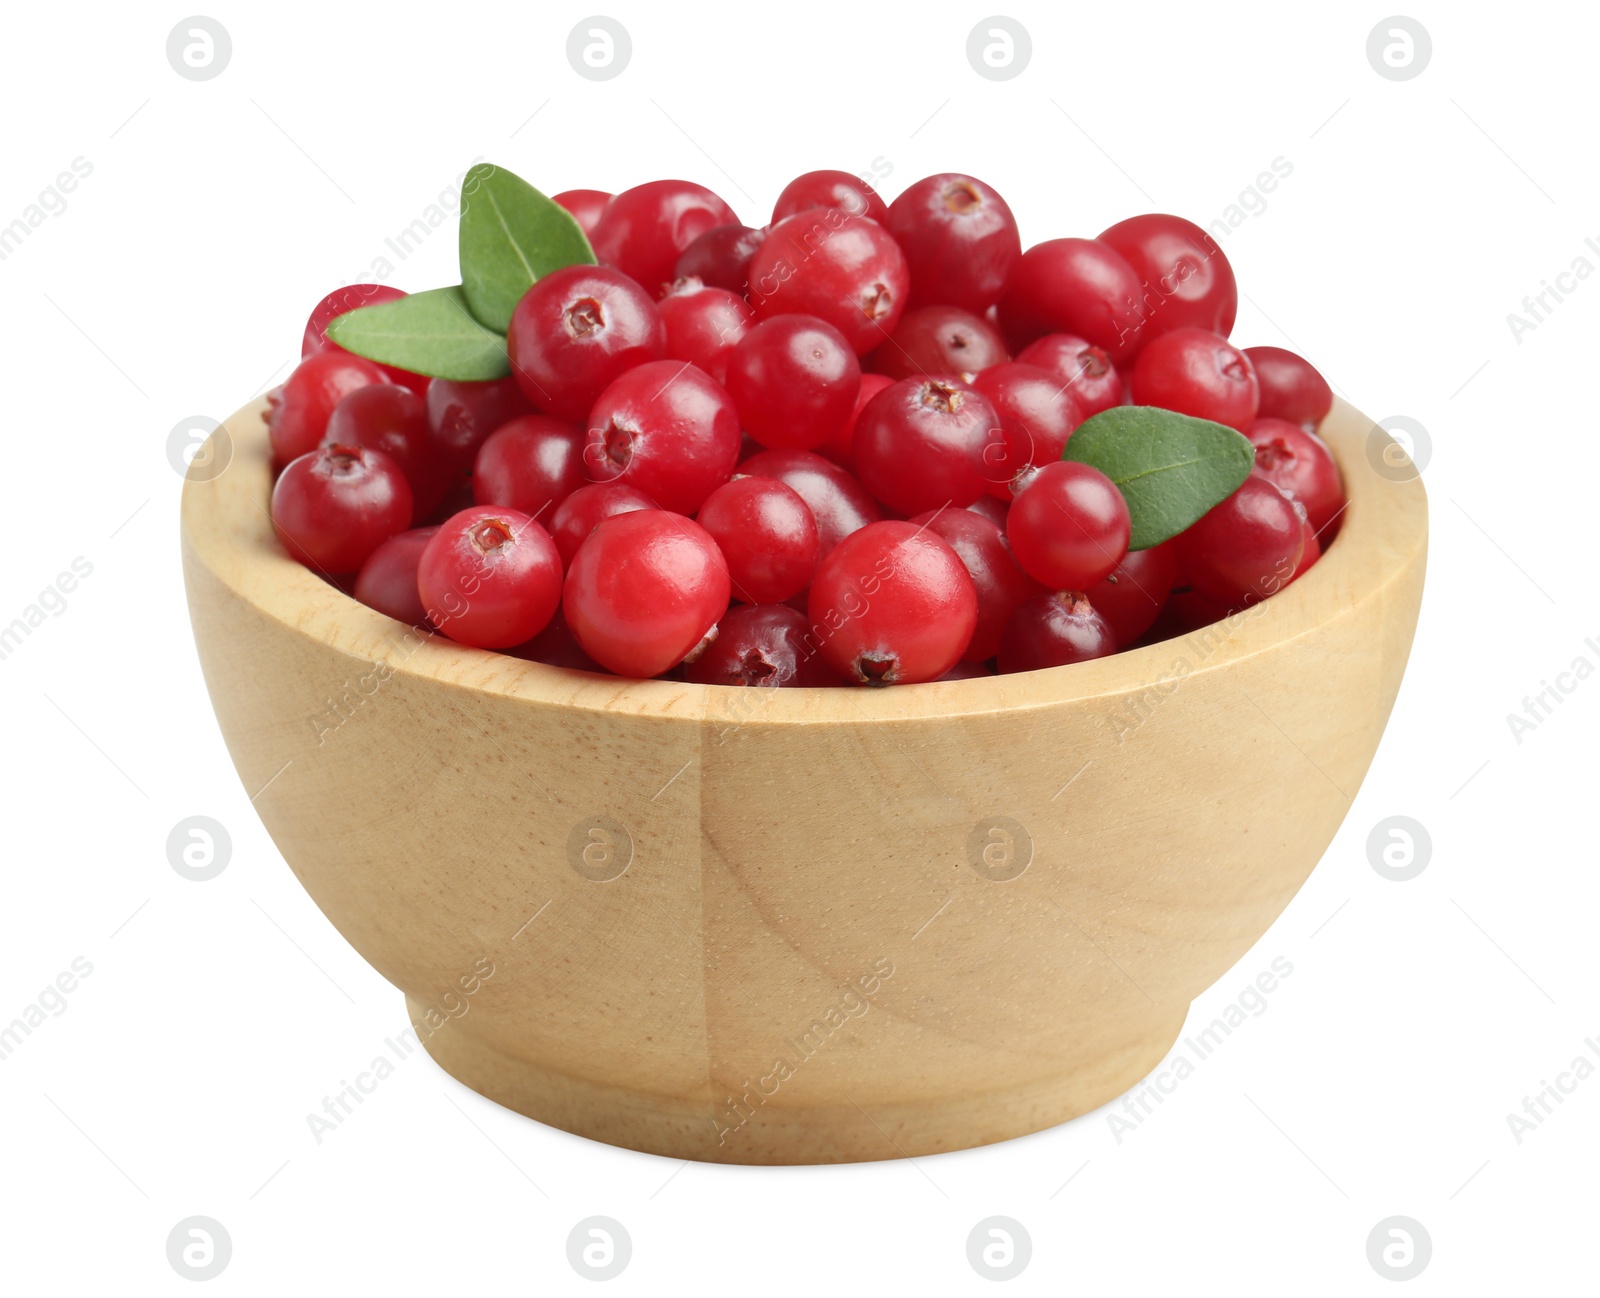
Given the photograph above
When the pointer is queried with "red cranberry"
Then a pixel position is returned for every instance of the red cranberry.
(643, 230)
(667, 429)
(1131, 596)
(334, 506)
(824, 262)
(1037, 415)
(838, 501)
(586, 206)
(893, 604)
(297, 412)
(720, 258)
(1000, 583)
(1311, 549)
(644, 590)
(965, 671)
(992, 508)
(462, 414)
(1085, 369)
(1068, 526)
(1073, 286)
(490, 577)
(794, 380)
(704, 325)
(767, 535)
(1187, 280)
(830, 189)
(388, 579)
(575, 331)
(1052, 631)
(960, 241)
(1300, 464)
(389, 418)
(340, 302)
(841, 447)
(939, 340)
(762, 645)
(556, 647)
(1291, 387)
(586, 508)
(531, 465)
(1199, 373)
(921, 444)
(1244, 549)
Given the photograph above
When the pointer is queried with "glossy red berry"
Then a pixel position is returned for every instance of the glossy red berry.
(704, 325)
(1085, 369)
(1131, 596)
(586, 508)
(334, 506)
(794, 379)
(998, 580)
(644, 590)
(350, 298)
(1244, 549)
(575, 331)
(1310, 547)
(846, 269)
(586, 206)
(388, 579)
(555, 646)
(667, 429)
(644, 230)
(1073, 286)
(461, 415)
(1199, 373)
(992, 508)
(1291, 387)
(720, 258)
(389, 418)
(763, 645)
(893, 605)
(1052, 631)
(841, 447)
(1068, 526)
(938, 340)
(531, 465)
(490, 577)
(922, 443)
(837, 499)
(1037, 415)
(298, 411)
(1300, 464)
(1187, 280)
(767, 535)
(960, 241)
(830, 189)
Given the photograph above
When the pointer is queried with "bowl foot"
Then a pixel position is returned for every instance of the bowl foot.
(761, 1132)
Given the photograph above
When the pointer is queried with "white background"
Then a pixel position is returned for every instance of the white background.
(176, 282)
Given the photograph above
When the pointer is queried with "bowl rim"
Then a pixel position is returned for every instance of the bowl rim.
(226, 528)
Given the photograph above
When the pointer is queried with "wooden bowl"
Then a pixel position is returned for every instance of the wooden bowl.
(799, 926)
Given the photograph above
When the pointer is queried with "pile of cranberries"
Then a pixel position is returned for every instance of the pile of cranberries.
(821, 452)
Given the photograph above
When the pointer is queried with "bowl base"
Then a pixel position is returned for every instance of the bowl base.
(757, 1132)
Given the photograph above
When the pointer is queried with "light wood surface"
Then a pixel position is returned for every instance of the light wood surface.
(804, 960)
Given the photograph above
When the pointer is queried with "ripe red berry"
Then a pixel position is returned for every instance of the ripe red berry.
(1130, 598)
(1245, 548)
(1199, 373)
(893, 605)
(462, 414)
(389, 418)
(938, 340)
(334, 506)
(1291, 387)
(921, 444)
(1085, 369)
(830, 189)
(720, 258)
(1310, 547)
(837, 499)
(388, 579)
(824, 262)
(704, 325)
(575, 331)
(1073, 286)
(586, 206)
(556, 647)
(1300, 464)
(841, 447)
(346, 299)
(490, 577)
(1052, 631)
(1037, 415)
(1187, 279)
(643, 230)
(1068, 526)
(992, 508)
(297, 412)
(767, 535)
(586, 508)
(762, 645)
(531, 465)
(794, 380)
(644, 590)
(667, 429)
(999, 582)
(960, 241)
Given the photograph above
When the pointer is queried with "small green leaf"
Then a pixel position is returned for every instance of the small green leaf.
(1170, 468)
(429, 333)
(511, 235)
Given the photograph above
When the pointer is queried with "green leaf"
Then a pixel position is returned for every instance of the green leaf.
(429, 333)
(1170, 468)
(511, 235)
